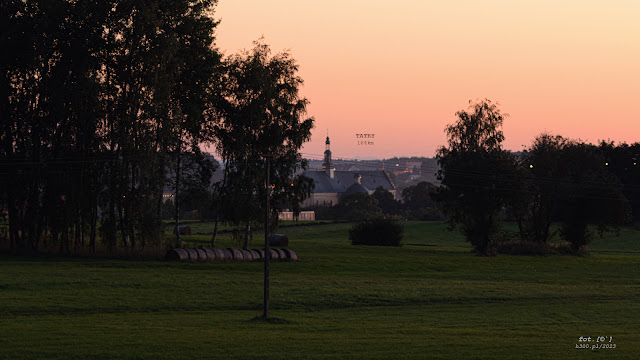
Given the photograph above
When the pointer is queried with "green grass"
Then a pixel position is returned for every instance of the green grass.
(432, 299)
(206, 227)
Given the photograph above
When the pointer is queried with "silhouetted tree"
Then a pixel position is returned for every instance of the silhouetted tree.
(475, 171)
(538, 191)
(623, 161)
(262, 115)
(50, 113)
(358, 207)
(95, 96)
(386, 202)
(589, 194)
(567, 181)
(418, 203)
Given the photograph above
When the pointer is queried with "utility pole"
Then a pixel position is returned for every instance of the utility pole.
(267, 252)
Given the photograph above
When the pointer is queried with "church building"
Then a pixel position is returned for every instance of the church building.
(331, 186)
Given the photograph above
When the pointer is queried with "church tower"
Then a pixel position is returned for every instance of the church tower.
(327, 166)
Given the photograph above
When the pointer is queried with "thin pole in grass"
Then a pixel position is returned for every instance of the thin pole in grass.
(267, 252)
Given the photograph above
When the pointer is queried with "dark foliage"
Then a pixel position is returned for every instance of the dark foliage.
(381, 232)
(623, 161)
(476, 174)
(569, 182)
(260, 114)
(535, 200)
(386, 202)
(358, 207)
(324, 212)
(100, 100)
(418, 202)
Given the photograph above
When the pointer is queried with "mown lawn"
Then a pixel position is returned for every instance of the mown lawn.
(430, 299)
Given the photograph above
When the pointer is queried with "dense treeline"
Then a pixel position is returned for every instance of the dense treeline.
(416, 204)
(575, 184)
(100, 101)
(97, 97)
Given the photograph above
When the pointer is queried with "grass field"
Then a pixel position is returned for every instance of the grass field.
(432, 299)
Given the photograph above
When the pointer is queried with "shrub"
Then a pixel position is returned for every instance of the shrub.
(382, 232)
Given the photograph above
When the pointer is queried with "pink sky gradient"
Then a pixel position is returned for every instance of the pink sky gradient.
(401, 69)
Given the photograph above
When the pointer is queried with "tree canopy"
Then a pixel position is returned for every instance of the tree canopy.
(386, 201)
(104, 101)
(566, 181)
(418, 202)
(475, 173)
(358, 207)
(261, 116)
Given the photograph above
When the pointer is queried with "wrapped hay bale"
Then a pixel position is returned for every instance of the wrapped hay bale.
(281, 254)
(220, 255)
(177, 254)
(291, 255)
(228, 255)
(274, 254)
(260, 253)
(193, 254)
(236, 254)
(247, 255)
(202, 255)
(211, 255)
(256, 255)
(182, 229)
(278, 240)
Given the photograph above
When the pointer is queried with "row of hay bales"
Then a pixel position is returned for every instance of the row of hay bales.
(228, 254)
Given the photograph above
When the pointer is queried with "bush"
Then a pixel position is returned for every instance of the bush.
(382, 232)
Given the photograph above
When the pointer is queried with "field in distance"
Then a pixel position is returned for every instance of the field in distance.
(431, 299)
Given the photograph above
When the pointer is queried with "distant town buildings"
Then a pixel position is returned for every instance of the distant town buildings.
(331, 185)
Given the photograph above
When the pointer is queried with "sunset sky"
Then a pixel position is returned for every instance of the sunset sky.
(401, 69)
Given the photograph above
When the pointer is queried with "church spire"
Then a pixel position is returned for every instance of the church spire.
(327, 166)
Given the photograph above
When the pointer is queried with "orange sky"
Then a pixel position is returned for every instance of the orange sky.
(401, 69)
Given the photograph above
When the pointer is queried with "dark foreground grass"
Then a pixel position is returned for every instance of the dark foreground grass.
(429, 300)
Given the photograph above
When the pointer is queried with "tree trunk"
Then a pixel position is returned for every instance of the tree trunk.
(130, 202)
(76, 238)
(54, 237)
(65, 236)
(121, 220)
(94, 220)
(13, 241)
(521, 229)
(32, 213)
(82, 233)
(112, 225)
(175, 198)
(217, 200)
(247, 232)
(23, 230)
(215, 230)
(39, 228)
(64, 241)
